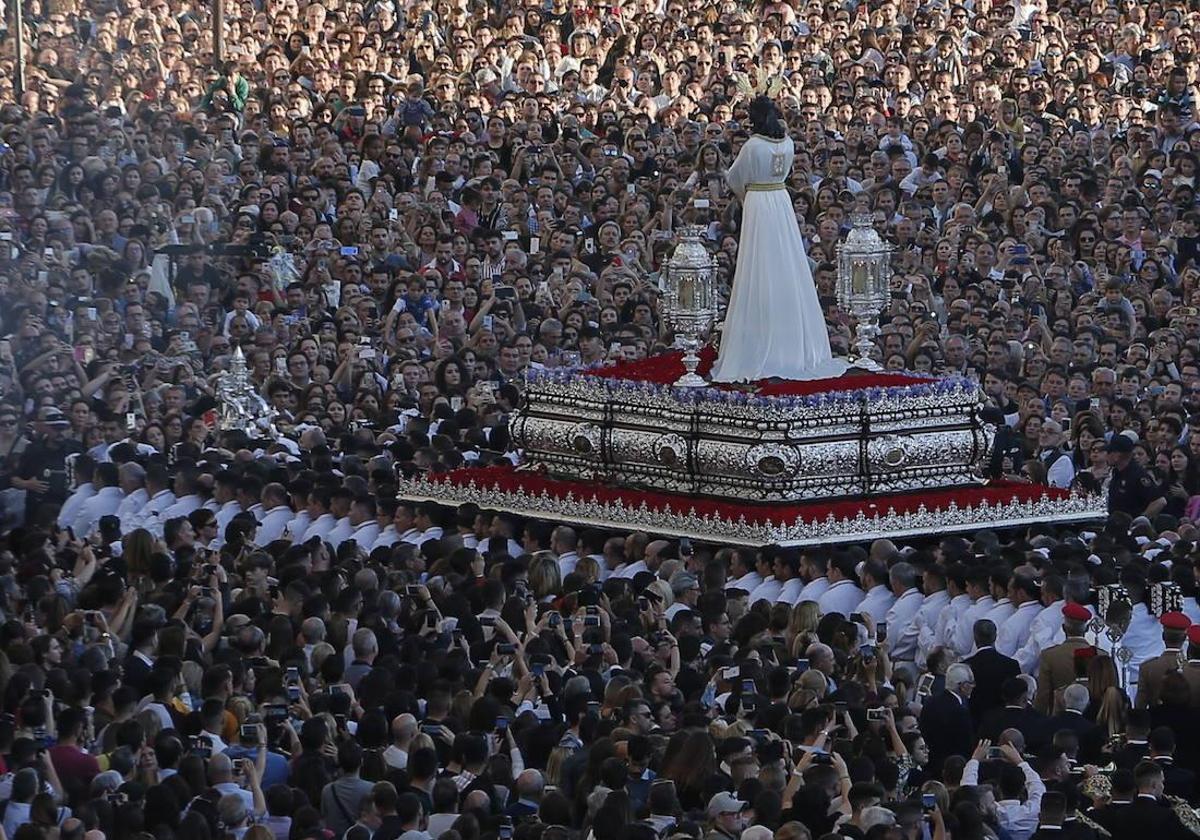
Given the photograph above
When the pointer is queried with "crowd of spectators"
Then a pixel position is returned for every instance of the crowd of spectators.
(395, 212)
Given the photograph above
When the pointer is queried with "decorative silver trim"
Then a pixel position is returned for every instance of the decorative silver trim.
(872, 522)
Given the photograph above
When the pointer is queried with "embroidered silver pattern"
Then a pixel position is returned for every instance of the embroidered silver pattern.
(778, 164)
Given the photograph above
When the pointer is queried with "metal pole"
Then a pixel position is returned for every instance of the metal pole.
(218, 32)
(19, 34)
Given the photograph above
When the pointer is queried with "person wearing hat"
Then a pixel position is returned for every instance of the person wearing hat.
(42, 471)
(1152, 672)
(1132, 489)
(1056, 666)
(726, 816)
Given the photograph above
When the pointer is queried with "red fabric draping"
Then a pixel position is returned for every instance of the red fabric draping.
(665, 368)
(509, 479)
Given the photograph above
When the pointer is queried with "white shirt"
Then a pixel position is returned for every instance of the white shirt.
(130, 507)
(387, 538)
(225, 515)
(1000, 613)
(182, 507)
(567, 563)
(842, 597)
(73, 504)
(365, 534)
(947, 621)
(295, 529)
(1045, 631)
(1014, 632)
(273, 524)
(964, 628)
(320, 527)
(630, 570)
(926, 620)
(393, 756)
(790, 593)
(152, 512)
(768, 590)
(1144, 640)
(747, 582)
(340, 532)
(815, 589)
(512, 548)
(104, 503)
(877, 602)
(901, 631)
(1019, 819)
(1191, 609)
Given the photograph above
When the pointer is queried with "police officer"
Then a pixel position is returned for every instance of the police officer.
(1132, 490)
(42, 472)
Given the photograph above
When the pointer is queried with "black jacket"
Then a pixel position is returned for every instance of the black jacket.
(991, 668)
(946, 724)
(1029, 721)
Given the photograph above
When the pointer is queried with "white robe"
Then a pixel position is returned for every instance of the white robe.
(774, 325)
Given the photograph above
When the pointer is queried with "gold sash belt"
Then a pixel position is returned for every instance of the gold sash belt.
(765, 187)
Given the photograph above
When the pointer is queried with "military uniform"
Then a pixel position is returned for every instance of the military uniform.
(1056, 671)
(1152, 672)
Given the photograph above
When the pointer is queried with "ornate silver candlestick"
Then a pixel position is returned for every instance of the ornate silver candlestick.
(689, 299)
(862, 284)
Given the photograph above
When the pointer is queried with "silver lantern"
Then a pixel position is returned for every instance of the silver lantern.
(862, 284)
(690, 301)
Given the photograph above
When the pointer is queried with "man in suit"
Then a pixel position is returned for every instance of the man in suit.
(1151, 672)
(1057, 667)
(1148, 814)
(1054, 822)
(1137, 740)
(1177, 781)
(946, 719)
(142, 645)
(991, 668)
(1071, 719)
(1015, 714)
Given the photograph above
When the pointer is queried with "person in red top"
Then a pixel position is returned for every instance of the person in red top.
(75, 766)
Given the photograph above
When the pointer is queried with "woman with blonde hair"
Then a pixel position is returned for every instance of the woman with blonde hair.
(545, 578)
(802, 629)
(1109, 706)
(588, 569)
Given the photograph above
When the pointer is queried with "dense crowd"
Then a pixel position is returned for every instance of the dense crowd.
(397, 211)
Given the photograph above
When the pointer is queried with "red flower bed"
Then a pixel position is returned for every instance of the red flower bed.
(508, 479)
(665, 368)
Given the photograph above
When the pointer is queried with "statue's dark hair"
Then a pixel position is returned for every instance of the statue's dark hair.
(765, 118)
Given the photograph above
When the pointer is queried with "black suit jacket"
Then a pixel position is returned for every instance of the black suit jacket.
(948, 730)
(1072, 830)
(991, 668)
(1177, 781)
(134, 672)
(1142, 818)
(1091, 736)
(1029, 721)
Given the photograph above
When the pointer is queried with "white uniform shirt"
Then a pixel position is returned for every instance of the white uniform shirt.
(842, 597)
